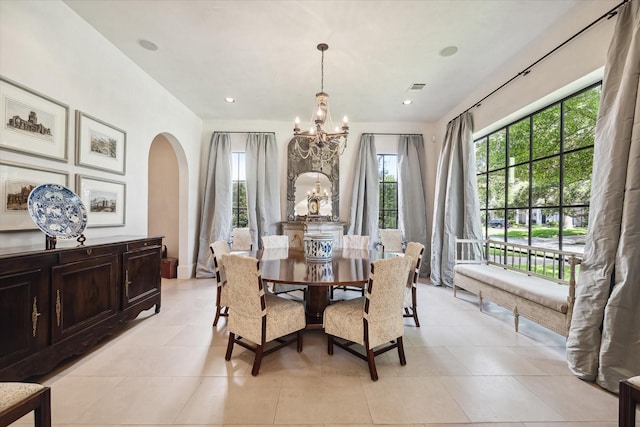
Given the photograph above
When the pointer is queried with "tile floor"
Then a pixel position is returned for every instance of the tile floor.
(463, 367)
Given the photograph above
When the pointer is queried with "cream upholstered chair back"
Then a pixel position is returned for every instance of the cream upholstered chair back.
(352, 241)
(241, 239)
(391, 239)
(384, 299)
(273, 242)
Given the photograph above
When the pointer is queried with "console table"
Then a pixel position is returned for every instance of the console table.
(296, 230)
(60, 302)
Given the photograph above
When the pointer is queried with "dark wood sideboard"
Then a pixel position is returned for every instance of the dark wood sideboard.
(60, 302)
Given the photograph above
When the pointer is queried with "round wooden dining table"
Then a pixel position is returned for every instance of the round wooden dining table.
(290, 266)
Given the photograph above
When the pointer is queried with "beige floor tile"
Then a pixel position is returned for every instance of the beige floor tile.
(575, 424)
(411, 400)
(431, 361)
(497, 399)
(155, 400)
(71, 394)
(493, 361)
(244, 400)
(572, 398)
(324, 400)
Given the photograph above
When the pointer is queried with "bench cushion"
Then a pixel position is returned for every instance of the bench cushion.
(543, 292)
(13, 393)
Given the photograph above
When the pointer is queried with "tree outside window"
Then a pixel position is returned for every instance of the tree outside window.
(534, 175)
(239, 191)
(388, 183)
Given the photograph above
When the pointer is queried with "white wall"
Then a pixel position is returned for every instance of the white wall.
(580, 60)
(47, 47)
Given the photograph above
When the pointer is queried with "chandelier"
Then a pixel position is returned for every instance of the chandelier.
(317, 142)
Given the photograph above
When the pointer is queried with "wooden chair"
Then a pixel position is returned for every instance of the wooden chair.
(391, 240)
(415, 251)
(278, 244)
(628, 398)
(376, 318)
(241, 240)
(352, 242)
(18, 399)
(256, 316)
(219, 248)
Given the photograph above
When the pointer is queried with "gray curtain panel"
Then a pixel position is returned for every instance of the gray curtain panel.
(412, 205)
(215, 218)
(363, 219)
(263, 185)
(456, 207)
(604, 339)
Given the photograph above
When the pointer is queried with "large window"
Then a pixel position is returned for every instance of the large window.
(388, 176)
(534, 175)
(239, 201)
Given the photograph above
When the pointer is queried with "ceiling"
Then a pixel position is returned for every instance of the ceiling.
(263, 53)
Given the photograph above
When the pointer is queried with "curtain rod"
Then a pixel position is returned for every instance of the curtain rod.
(397, 134)
(610, 14)
(239, 131)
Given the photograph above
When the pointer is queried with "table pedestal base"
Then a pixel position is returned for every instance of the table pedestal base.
(317, 301)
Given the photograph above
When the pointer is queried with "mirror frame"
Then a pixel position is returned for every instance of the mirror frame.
(297, 165)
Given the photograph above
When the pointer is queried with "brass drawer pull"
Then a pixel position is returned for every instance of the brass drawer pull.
(58, 306)
(34, 316)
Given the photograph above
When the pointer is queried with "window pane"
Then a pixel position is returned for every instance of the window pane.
(482, 190)
(577, 177)
(497, 149)
(519, 142)
(580, 115)
(547, 230)
(483, 221)
(495, 224)
(481, 155)
(388, 188)
(546, 132)
(546, 182)
(519, 186)
(518, 230)
(390, 168)
(574, 229)
(496, 189)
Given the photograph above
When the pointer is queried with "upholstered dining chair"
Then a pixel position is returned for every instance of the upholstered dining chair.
(278, 244)
(352, 242)
(17, 399)
(415, 251)
(375, 319)
(628, 399)
(241, 239)
(391, 240)
(219, 248)
(255, 315)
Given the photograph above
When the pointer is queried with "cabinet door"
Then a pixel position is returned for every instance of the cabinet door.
(141, 275)
(84, 294)
(23, 314)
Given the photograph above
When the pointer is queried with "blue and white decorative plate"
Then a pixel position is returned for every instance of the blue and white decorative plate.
(57, 211)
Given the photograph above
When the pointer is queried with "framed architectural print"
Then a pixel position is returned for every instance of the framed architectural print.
(104, 200)
(99, 145)
(32, 123)
(16, 182)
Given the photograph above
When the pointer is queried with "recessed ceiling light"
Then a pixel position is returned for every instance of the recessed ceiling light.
(407, 102)
(229, 100)
(149, 45)
(449, 51)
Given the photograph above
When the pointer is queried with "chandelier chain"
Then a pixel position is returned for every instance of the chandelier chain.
(322, 73)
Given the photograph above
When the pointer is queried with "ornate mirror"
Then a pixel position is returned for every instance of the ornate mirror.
(303, 177)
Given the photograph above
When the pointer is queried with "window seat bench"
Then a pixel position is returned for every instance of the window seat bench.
(534, 282)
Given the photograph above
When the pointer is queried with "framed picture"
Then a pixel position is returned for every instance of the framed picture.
(32, 123)
(104, 200)
(99, 145)
(16, 182)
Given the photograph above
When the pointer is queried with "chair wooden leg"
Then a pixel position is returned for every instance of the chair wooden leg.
(414, 300)
(215, 320)
(42, 414)
(330, 344)
(403, 360)
(299, 341)
(258, 360)
(627, 405)
(232, 339)
(372, 364)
